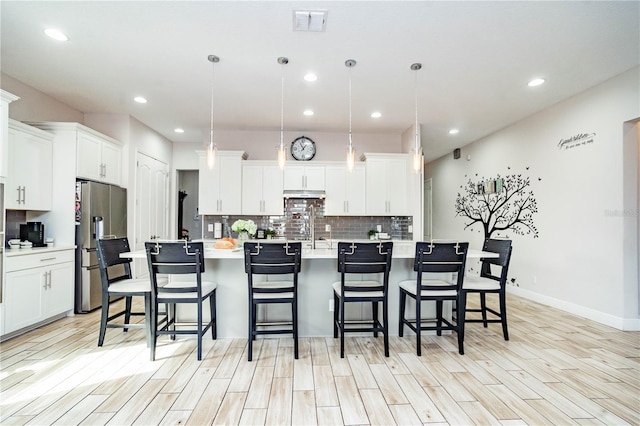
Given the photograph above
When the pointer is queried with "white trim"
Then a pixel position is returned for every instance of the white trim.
(624, 324)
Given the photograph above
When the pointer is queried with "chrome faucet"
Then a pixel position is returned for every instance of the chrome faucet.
(312, 225)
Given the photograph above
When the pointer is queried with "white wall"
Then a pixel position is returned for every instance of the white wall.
(34, 105)
(577, 262)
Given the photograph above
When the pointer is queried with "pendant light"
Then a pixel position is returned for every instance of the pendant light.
(212, 149)
(418, 159)
(351, 152)
(282, 152)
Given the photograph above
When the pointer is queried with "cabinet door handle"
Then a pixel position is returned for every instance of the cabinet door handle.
(105, 170)
(47, 258)
(49, 279)
(24, 195)
(19, 200)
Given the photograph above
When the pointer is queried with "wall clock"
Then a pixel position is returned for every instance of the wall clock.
(303, 148)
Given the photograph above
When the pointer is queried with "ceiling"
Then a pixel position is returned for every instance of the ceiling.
(477, 58)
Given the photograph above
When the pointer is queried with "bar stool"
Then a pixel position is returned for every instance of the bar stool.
(362, 258)
(436, 258)
(117, 281)
(489, 282)
(269, 259)
(180, 258)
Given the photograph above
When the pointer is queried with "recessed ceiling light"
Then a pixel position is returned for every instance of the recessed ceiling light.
(56, 34)
(178, 130)
(454, 131)
(376, 114)
(535, 82)
(308, 112)
(140, 100)
(310, 77)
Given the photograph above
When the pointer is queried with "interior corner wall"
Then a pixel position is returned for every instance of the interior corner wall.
(572, 153)
(34, 105)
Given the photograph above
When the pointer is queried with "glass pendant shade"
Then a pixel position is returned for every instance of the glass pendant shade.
(351, 157)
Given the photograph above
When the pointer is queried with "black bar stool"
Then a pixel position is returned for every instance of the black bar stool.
(180, 258)
(437, 258)
(272, 259)
(362, 258)
(489, 282)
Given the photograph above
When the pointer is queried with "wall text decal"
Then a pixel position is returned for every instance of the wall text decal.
(576, 140)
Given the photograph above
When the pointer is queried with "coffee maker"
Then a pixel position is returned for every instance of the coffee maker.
(34, 232)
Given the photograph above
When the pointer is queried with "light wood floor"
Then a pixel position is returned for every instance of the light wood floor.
(556, 369)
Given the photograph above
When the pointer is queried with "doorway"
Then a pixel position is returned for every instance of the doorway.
(189, 222)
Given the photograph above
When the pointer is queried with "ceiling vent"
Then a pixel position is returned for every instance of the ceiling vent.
(309, 20)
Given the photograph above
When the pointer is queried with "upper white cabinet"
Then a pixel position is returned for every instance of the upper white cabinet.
(307, 177)
(5, 99)
(387, 185)
(29, 175)
(98, 158)
(262, 188)
(345, 191)
(92, 155)
(220, 188)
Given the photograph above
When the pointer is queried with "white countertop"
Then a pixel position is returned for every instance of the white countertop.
(402, 249)
(11, 252)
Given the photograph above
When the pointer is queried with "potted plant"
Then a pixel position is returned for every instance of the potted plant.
(244, 228)
(270, 233)
(372, 234)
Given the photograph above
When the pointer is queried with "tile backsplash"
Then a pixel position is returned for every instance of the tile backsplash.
(295, 223)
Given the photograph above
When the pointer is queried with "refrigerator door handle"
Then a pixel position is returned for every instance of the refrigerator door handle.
(97, 227)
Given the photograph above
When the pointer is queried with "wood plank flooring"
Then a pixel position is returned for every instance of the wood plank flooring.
(556, 369)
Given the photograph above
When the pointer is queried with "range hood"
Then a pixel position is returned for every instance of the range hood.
(304, 193)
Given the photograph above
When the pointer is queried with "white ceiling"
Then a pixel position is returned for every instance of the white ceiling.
(477, 58)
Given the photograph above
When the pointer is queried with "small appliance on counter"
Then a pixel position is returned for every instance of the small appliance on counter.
(33, 232)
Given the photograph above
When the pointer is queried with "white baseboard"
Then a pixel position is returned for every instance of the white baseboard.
(624, 324)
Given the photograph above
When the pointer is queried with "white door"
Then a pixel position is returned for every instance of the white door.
(151, 206)
(428, 210)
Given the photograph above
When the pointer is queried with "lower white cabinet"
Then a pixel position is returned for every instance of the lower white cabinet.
(38, 286)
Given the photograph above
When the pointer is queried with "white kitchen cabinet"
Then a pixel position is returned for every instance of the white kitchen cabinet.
(345, 191)
(38, 287)
(5, 99)
(387, 183)
(98, 158)
(307, 177)
(29, 177)
(220, 188)
(92, 154)
(262, 189)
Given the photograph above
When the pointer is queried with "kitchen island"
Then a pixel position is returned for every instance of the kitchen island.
(315, 294)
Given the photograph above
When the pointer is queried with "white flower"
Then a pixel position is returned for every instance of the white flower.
(244, 226)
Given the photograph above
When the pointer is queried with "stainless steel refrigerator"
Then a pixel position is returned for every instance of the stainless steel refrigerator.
(101, 211)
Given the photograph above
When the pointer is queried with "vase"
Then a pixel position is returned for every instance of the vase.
(243, 237)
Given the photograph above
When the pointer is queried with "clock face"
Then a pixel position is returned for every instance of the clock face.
(303, 148)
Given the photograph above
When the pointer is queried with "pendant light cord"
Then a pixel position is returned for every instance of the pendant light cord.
(282, 108)
(350, 140)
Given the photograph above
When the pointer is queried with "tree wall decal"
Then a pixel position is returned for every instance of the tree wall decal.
(511, 208)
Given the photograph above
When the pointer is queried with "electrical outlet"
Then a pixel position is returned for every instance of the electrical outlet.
(327, 228)
(331, 306)
(379, 228)
(410, 230)
(210, 227)
(535, 279)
